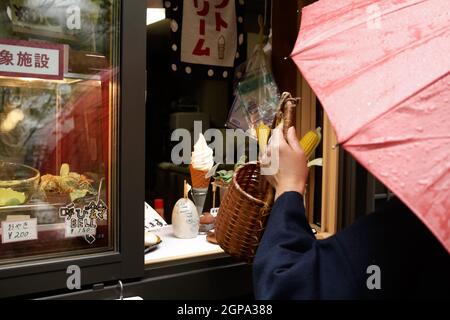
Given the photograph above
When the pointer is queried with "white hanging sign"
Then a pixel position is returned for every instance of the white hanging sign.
(209, 35)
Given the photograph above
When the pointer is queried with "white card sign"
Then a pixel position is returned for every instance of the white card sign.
(153, 221)
(19, 230)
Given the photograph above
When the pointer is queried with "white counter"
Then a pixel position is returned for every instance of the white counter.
(172, 248)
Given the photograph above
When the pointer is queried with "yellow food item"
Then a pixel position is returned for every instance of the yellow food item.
(72, 183)
(10, 197)
(262, 133)
(310, 141)
(65, 169)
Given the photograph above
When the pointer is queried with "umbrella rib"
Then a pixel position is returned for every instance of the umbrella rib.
(395, 107)
(391, 143)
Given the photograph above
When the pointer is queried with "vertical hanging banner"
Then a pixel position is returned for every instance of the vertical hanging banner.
(208, 38)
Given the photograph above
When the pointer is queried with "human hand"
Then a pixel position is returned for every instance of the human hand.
(287, 161)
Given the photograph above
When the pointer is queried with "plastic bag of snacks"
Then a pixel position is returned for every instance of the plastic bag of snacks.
(237, 118)
(256, 94)
(259, 95)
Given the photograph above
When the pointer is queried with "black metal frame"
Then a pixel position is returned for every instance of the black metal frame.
(356, 190)
(213, 277)
(128, 261)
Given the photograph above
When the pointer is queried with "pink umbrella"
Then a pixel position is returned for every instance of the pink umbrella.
(381, 70)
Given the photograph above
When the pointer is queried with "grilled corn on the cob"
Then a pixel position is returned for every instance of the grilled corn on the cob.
(310, 141)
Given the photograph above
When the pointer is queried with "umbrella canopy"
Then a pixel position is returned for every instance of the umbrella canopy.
(381, 70)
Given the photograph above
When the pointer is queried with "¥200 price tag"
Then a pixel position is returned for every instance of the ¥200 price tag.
(20, 230)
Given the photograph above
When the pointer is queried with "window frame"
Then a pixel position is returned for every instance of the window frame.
(127, 262)
(286, 20)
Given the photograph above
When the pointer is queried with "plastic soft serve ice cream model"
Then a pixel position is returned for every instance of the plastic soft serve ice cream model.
(201, 162)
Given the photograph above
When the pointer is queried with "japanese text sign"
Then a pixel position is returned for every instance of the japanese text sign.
(31, 59)
(83, 221)
(208, 38)
(211, 37)
(20, 230)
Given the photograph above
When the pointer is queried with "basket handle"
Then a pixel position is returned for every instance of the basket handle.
(286, 113)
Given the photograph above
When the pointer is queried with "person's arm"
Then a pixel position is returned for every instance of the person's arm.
(291, 264)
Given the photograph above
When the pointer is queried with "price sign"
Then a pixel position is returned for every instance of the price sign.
(20, 230)
(83, 221)
(77, 228)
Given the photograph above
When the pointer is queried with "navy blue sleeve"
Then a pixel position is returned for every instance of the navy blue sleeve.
(291, 264)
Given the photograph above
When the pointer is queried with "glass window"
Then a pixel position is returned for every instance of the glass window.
(58, 126)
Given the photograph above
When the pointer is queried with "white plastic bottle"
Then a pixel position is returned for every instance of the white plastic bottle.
(185, 218)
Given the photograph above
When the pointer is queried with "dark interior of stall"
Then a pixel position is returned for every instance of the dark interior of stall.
(177, 99)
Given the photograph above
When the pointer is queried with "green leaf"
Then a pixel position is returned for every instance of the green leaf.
(10, 197)
(240, 162)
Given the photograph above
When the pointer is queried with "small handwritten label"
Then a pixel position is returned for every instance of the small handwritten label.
(80, 227)
(83, 221)
(153, 221)
(20, 230)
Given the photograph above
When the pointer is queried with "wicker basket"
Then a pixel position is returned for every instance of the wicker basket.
(243, 212)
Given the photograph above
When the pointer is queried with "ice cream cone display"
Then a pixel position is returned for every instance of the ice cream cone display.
(201, 163)
(198, 178)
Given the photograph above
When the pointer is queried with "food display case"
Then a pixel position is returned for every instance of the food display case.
(72, 160)
(72, 97)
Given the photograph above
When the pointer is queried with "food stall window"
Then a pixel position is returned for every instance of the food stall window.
(58, 128)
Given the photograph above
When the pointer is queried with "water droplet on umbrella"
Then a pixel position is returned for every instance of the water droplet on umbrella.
(402, 184)
(420, 129)
(423, 182)
(384, 174)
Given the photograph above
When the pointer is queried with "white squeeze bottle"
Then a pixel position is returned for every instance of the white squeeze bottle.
(185, 219)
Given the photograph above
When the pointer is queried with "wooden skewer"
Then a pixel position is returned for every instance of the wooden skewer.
(214, 188)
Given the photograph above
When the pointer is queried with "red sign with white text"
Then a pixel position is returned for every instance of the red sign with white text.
(31, 59)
